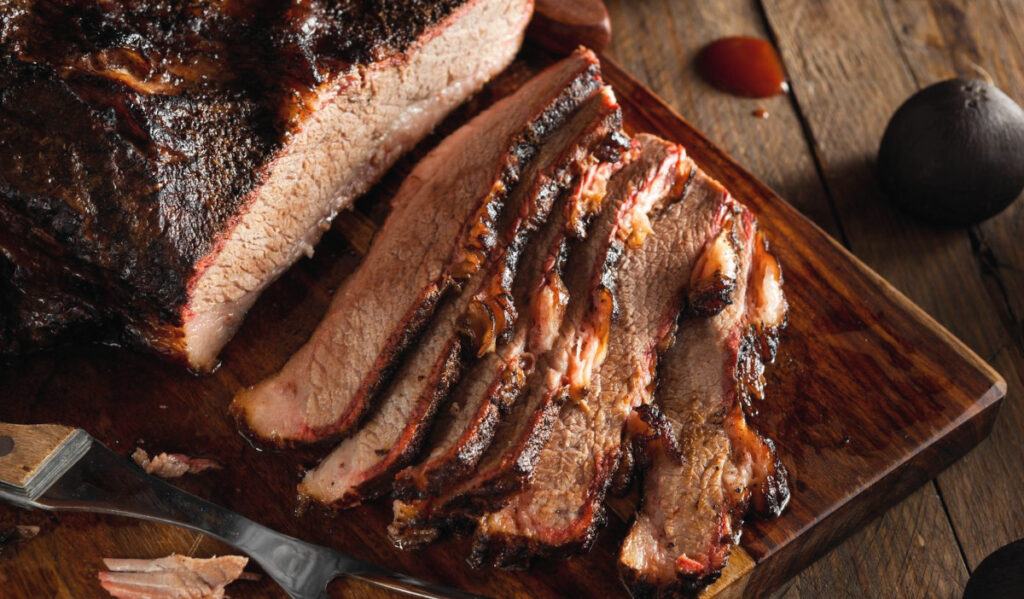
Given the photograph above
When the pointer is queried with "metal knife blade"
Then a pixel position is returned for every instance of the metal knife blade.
(58, 468)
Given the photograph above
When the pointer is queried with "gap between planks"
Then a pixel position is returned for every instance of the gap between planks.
(844, 239)
(934, 40)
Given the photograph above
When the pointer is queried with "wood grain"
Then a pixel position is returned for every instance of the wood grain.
(25, 449)
(657, 41)
(562, 25)
(860, 569)
(983, 277)
(868, 401)
(942, 39)
(666, 36)
(848, 76)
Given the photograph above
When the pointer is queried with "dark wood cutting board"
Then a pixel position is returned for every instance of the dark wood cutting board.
(868, 399)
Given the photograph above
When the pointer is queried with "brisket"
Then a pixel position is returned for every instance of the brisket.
(362, 466)
(496, 381)
(703, 464)
(564, 370)
(441, 230)
(162, 162)
(562, 509)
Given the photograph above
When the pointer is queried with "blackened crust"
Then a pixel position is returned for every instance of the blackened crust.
(378, 481)
(478, 436)
(596, 127)
(643, 587)
(158, 121)
(513, 551)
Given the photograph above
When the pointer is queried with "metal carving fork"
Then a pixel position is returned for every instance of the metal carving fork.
(58, 468)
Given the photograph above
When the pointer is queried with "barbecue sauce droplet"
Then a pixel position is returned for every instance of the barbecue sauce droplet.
(745, 66)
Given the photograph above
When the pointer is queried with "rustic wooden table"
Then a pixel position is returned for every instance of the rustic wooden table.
(850, 64)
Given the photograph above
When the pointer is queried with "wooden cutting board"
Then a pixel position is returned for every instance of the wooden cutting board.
(869, 398)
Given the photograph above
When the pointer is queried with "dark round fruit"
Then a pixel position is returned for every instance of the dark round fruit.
(1000, 575)
(954, 152)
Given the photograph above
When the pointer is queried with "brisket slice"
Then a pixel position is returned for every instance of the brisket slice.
(162, 162)
(363, 465)
(442, 229)
(495, 382)
(562, 509)
(703, 464)
(578, 348)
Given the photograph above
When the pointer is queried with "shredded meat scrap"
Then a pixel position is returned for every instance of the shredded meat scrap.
(171, 577)
(172, 465)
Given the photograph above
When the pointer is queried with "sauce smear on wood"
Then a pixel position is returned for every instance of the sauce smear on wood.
(745, 66)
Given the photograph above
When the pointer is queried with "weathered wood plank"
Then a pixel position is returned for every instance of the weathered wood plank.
(775, 150)
(656, 41)
(942, 39)
(123, 398)
(859, 568)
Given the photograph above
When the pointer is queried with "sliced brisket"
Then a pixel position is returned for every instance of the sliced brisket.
(362, 466)
(562, 508)
(579, 346)
(162, 162)
(495, 382)
(441, 230)
(703, 464)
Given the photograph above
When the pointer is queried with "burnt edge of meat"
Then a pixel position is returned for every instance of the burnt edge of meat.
(164, 117)
(554, 175)
(489, 319)
(451, 369)
(414, 485)
(625, 472)
(477, 239)
(648, 425)
(710, 300)
(516, 552)
(757, 349)
(709, 293)
(461, 502)
(493, 493)
(503, 396)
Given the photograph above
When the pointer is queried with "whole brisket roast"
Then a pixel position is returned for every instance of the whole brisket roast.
(162, 162)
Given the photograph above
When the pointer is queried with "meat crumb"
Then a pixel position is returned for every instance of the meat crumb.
(171, 577)
(12, 535)
(172, 465)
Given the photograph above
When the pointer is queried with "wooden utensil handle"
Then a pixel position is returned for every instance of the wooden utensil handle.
(26, 448)
(562, 25)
